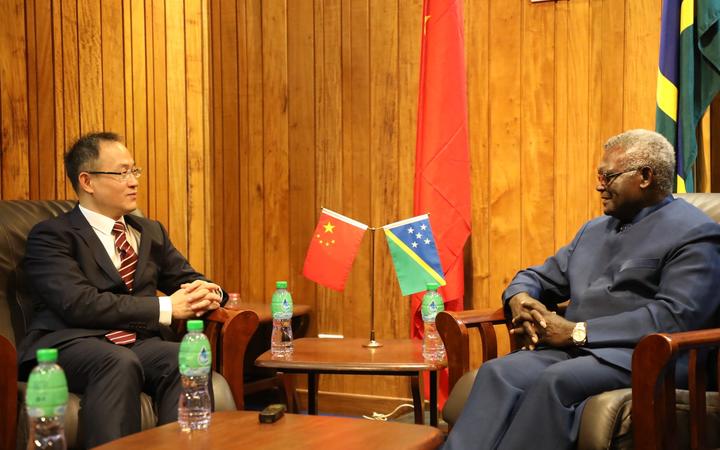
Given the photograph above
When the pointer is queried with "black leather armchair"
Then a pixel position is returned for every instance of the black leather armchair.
(652, 414)
(229, 331)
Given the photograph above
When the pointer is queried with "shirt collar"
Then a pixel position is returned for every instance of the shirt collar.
(650, 209)
(99, 222)
(643, 213)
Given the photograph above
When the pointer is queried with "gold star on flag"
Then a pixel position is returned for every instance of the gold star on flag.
(329, 227)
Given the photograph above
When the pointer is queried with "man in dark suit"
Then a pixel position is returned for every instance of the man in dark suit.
(94, 273)
(651, 264)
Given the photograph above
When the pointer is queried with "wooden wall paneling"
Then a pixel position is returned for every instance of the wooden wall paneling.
(139, 94)
(128, 75)
(275, 138)
(113, 86)
(149, 181)
(537, 135)
(32, 100)
(243, 158)
(595, 48)
(409, 36)
(177, 125)
(256, 148)
(392, 318)
(59, 101)
(642, 47)
(303, 209)
(48, 169)
(611, 36)
(357, 175)
(328, 141)
(208, 168)
(563, 100)
(217, 176)
(505, 40)
(90, 66)
(583, 88)
(13, 102)
(194, 85)
(477, 26)
(329, 153)
(159, 181)
(231, 230)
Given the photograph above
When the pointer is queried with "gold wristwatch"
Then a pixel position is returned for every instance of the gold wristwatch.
(579, 334)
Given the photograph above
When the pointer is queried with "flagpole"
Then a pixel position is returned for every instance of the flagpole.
(372, 343)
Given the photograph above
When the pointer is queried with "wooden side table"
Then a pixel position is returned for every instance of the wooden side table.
(259, 379)
(402, 357)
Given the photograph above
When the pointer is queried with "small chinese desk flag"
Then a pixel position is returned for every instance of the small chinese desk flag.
(333, 248)
(414, 253)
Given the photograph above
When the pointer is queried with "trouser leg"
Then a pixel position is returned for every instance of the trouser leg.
(110, 378)
(549, 412)
(499, 385)
(159, 360)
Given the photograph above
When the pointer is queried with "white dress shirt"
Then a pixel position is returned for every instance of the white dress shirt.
(103, 225)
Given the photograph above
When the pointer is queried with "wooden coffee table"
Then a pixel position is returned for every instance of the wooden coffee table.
(241, 429)
(347, 356)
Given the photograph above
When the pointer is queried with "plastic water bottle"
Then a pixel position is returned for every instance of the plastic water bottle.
(282, 310)
(195, 359)
(46, 400)
(432, 304)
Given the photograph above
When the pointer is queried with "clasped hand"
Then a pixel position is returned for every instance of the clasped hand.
(534, 324)
(195, 299)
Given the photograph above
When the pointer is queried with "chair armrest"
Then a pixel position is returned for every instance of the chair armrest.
(8, 394)
(453, 328)
(653, 386)
(229, 332)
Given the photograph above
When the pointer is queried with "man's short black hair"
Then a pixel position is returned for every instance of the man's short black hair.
(84, 152)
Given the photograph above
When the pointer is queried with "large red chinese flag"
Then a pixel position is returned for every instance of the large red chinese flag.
(334, 245)
(442, 161)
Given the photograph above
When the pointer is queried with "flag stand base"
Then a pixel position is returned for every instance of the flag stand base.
(373, 343)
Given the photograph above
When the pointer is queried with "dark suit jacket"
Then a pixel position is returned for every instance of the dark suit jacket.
(661, 275)
(77, 292)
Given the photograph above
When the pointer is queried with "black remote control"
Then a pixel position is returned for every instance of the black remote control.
(272, 413)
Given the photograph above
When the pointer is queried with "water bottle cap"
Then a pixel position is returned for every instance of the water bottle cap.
(432, 286)
(47, 355)
(281, 284)
(195, 325)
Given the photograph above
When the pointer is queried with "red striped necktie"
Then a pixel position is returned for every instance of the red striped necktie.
(128, 264)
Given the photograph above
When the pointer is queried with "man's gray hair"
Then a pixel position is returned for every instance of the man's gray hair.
(645, 148)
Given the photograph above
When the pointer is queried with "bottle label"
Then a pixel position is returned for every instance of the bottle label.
(432, 304)
(281, 305)
(47, 392)
(195, 357)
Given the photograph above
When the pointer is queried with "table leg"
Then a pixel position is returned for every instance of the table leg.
(416, 387)
(433, 399)
(287, 384)
(312, 393)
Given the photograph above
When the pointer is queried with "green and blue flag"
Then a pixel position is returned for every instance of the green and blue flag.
(414, 254)
(688, 77)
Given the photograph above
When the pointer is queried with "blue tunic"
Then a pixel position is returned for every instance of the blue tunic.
(660, 274)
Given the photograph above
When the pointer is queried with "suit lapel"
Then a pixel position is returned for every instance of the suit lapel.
(143, 248)
(83, 228)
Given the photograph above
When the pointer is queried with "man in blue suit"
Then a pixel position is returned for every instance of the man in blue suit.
(650, 264)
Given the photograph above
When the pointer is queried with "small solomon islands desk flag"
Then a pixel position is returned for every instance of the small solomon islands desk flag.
(414, 253)
(333, 248)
